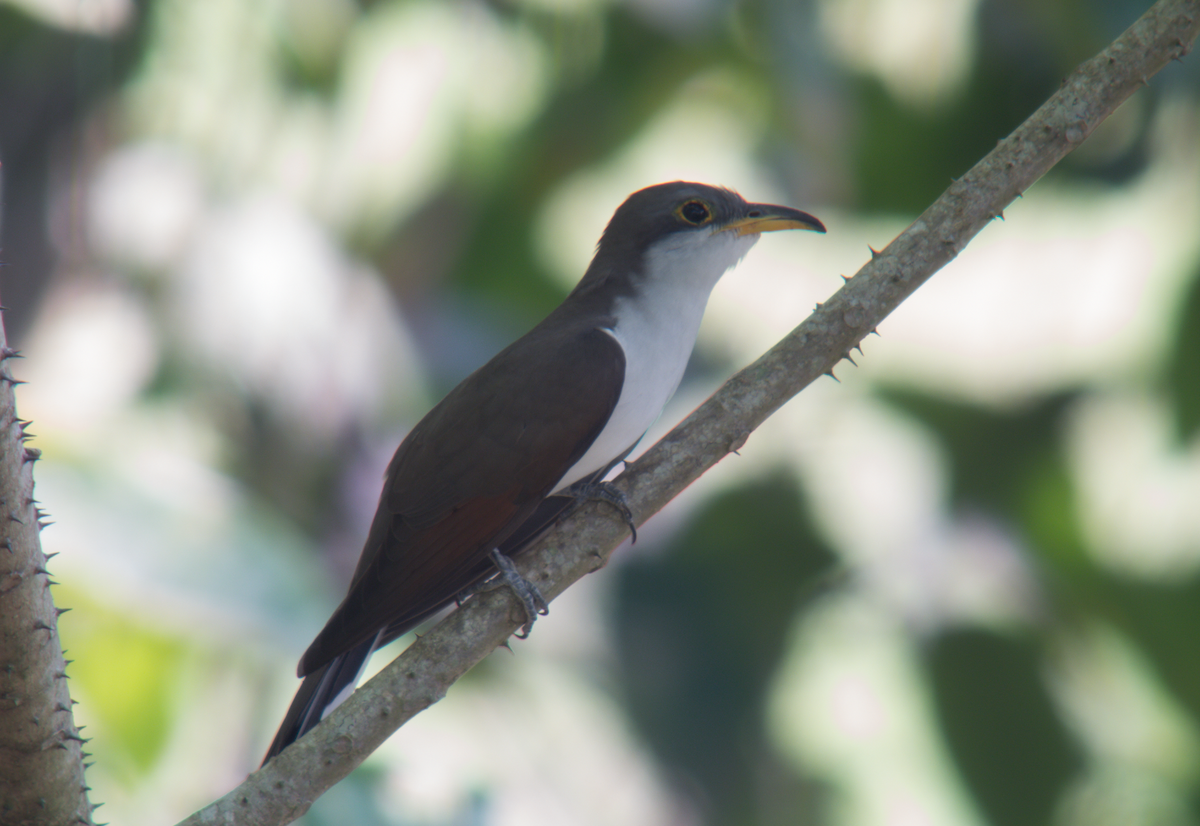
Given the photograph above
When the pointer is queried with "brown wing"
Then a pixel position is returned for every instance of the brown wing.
(469, 474)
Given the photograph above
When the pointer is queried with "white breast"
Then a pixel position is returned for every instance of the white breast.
(657, 330)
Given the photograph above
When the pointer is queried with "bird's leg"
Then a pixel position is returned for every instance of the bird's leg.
(604, 492)
(531, 598)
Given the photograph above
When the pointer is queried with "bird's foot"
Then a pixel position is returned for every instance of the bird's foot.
(531, 598)
(605, 492)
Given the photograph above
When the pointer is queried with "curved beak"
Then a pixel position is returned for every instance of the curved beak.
(769, 218)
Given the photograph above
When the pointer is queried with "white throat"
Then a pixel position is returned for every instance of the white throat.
(657, 329)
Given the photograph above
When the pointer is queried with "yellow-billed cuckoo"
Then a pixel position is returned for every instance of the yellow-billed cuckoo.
(490, 467)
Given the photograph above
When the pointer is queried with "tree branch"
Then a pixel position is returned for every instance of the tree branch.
(41, 761)
(284, 789)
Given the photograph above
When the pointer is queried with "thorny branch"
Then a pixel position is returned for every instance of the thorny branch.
(284, 789)
(41, 755)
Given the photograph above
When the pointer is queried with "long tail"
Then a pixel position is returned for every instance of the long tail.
(329, 685)
(320, 693)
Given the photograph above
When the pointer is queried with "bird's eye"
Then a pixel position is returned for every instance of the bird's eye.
(695, 213)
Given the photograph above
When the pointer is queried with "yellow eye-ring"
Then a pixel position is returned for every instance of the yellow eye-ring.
(695, 213)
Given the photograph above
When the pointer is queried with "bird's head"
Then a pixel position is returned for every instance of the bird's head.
(689, 228)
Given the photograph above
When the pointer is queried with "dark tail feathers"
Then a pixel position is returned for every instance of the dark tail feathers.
(320, 692)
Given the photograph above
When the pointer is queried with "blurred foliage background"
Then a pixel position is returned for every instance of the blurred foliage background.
(247, 243)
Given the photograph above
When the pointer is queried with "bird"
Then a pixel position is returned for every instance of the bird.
(508, 450)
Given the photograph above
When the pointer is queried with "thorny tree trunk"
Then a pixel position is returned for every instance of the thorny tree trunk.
(41, 756)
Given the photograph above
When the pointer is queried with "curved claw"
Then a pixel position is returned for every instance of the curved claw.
(531, 598)
(610, 493)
